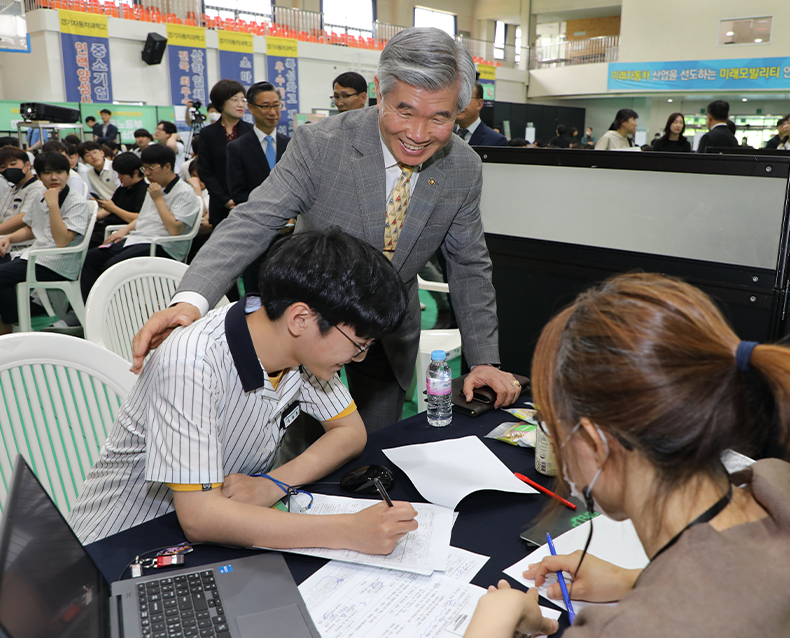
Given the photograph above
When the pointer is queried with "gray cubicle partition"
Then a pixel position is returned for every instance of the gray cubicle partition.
(557, 221)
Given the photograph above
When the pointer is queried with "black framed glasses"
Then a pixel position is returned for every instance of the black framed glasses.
(342, 97)
(361, 349)
(278, 106)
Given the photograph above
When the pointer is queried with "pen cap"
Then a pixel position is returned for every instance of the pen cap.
(438, 355)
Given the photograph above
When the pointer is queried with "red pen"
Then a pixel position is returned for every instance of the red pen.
(540, 488)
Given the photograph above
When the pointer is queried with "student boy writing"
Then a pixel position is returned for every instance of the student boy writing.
(215, 399)
(57, 220)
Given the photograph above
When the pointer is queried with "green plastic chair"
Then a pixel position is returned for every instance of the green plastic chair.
(59, 395)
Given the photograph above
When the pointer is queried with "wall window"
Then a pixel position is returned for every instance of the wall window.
(499, 41)
(518, 44)
(249, 10)
(745, 31)
(438, 19)
(354, 17)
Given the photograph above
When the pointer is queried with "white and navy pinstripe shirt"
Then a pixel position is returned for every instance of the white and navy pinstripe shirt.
(203, 408)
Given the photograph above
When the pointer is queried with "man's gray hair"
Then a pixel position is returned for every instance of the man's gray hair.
(430, 59)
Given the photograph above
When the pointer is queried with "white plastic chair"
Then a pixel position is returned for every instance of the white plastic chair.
(69, 287)
(126, 295)
(60, 395)
(164, 241)
(430, 340)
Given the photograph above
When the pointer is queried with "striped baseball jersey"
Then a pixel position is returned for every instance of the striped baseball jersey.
(203, 408)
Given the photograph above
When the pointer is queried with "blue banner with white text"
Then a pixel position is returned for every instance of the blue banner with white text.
(86, 57)
(282, 67)
(700, 75)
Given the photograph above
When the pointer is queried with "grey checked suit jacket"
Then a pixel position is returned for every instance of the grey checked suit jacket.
(333, 175)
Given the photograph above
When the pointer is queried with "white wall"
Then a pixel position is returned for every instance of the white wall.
(683, 30)
(583, 79)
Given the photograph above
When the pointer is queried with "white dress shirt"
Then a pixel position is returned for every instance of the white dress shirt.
(471, 129)
(264, 142)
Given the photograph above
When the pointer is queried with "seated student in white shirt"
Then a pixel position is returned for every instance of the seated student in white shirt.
(26, 189)
(57, 220)
(76, 182)
(215, 399)
(96, 171)
(166, 133)
(169, 209)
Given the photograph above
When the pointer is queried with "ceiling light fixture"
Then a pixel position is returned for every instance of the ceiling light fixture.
(669, 100)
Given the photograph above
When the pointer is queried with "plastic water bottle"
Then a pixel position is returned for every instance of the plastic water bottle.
(440, 380)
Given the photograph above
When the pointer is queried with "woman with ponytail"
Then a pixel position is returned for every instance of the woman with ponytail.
(643, 386)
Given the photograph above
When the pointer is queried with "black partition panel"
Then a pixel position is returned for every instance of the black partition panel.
(562, 228)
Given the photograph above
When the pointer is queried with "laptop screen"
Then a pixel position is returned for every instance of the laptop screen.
(49, 585)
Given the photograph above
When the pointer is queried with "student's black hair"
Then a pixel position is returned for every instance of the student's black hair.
(54, 146)
(168, 127)
(260, 87)
(719, 110)
(196, 144)
(90, 117)
(193, 169)
(127, 164)
(223, 90)
(51, 163)
(9, 141)
(11, 153)
(108, 150)
(517, 141)
(561, 130)
(478, 91)
(344, 280)
(351, 80)
(623, 115)
(143, 132)
(86, 147)
(210, 106)
(159, 154)
(72, 139)
(107, 111)
(71, 149)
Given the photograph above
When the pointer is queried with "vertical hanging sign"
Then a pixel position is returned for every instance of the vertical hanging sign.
(86, 57)
(488, 80)
(186, 54)
(282, 66)
(235, 57)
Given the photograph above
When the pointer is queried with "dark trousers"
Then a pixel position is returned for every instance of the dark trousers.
(375, 389)
(97, 260)
(13, 272)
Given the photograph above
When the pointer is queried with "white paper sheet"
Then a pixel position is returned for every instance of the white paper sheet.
(612, 541)
(422, 551)
(444, 472)
(355, 601)
(462, 565)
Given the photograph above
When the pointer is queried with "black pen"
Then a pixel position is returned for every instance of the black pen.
(382, 491)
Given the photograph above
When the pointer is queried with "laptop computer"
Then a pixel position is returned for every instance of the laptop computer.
(50, 587)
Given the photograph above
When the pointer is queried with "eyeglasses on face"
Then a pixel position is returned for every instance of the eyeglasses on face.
(151, 168)
(237, 100)
(277, 106)
(361, 349)
(342, 97)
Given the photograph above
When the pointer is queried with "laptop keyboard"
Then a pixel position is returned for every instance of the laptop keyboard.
(184, 606)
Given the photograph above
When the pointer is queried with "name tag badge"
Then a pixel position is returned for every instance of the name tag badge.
(290, 414)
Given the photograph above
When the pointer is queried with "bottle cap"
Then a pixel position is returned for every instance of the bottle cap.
(438, 355)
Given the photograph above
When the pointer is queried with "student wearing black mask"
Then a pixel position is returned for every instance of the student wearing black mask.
(25, 188)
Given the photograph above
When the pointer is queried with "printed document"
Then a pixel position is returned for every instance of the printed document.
(422, 551)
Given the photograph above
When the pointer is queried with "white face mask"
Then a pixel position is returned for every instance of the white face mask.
(586, 493)
(214, 117)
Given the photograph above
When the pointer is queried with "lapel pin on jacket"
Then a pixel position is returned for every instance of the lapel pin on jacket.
(431, 182)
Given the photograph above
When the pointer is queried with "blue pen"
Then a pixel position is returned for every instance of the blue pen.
(565, 596)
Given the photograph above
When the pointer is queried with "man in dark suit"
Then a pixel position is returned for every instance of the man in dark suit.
(397, 177)
(106, 131)
(718, 134)
(229, 98)
(253, 156)
(470, 128)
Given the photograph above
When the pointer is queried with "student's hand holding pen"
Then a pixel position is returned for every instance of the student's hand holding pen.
(597, 581)
(377, 529)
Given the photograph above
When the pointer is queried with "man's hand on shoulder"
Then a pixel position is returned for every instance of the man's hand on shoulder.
(503, 383)
(158, 328)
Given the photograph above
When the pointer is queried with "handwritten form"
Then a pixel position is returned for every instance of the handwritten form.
(612, 541)
(354, 601)
(444, 472)
(422, 551)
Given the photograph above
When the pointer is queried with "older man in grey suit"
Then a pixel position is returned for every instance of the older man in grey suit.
(395, 176)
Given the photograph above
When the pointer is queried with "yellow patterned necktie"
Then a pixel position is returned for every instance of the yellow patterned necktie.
(396, 211)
